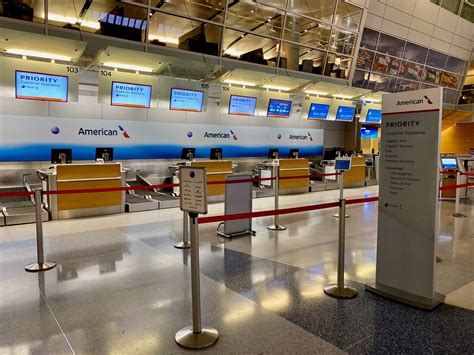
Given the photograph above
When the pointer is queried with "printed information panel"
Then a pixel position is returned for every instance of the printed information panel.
(408, 203)
(193, 196)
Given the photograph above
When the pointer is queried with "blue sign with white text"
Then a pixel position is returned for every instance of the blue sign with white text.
(345, 113)
(369, 132)
(374, 116)
(279, 108)
(318, 111)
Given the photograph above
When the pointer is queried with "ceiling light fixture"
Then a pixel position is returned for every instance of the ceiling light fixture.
(315, 92)
(238, 82)
(340, 96)
(276, 87)
(28, 53)
(127, 67)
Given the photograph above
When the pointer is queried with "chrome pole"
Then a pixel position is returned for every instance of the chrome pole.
(40, 265)
(276, 192)
(340, 290)
(185, 243)
(196, 337)
(341, 191)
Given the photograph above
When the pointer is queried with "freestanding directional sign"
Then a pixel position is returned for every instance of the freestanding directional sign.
(408, 197)
(193, 195)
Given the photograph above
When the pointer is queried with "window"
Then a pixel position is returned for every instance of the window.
(451, 5)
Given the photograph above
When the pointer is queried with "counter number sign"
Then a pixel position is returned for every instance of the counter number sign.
(193, 191)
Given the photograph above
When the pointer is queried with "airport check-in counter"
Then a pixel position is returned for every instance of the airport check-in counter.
(356, 175)
(217, 170)
(287, 168)
(85, 176)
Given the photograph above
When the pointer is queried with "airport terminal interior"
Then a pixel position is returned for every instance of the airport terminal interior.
(236, 176)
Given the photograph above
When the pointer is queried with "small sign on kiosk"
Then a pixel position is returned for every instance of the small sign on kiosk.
(193, 194)
(343, 164)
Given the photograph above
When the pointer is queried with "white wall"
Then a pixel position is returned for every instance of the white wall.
(423, 23)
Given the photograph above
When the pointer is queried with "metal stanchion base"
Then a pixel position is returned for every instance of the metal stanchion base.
(183, 245)
(278, 227)
(459, 215)
(337, 215)
(37, 267)
(188, 339)
(334, 291)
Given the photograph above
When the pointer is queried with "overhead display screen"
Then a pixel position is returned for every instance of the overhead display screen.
(374, 116)
(186, 100)
(130, 95)
(242, 105)
(318, 111)
(39, 86)
(345, 113)
(279, 108)
(369, 132)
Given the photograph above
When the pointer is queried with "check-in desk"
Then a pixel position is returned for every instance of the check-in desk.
(448, 180)
(356, 175)
(85, 176)
(217, 170)
(287, 168)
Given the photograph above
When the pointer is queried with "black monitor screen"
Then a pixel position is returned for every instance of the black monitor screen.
(273, 153)
(216, 154)
(57, 152)
(101, 152)
(185, 152)
(293, 153)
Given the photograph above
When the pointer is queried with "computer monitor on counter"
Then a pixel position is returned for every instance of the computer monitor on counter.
(61, 156)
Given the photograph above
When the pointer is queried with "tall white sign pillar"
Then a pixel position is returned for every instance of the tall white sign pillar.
(408, 197)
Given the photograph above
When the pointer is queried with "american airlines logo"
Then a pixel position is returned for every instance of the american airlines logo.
(415, 101)
(221, 135)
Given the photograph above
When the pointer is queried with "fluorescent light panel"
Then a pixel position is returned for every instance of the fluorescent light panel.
(314, 92)
(127, 67)
(28, 53)
(276, 87)
(238, 82)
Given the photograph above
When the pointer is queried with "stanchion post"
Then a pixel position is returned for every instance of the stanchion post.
(341, 190)
(41, 264)
(340, 290)
(196, 337)
(458, 197)
(276, 191)
(185, 243)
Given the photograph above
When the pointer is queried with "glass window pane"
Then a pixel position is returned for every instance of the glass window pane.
(348, 16)
(253, 17)
(415, 53)
(249, 47)
(210, 10)
(281, 4)
(342, 41)
(381, 82)
(413, 71)
(449, 96)
(317, 9)
(386, 65)
(405, 85)
(451, 5)
(307, 32)
(436, 59)
(365, 59)
(450, 80)
(178, 32)
(302, 58)
(24, 10)
(456, 65)
(433, 75)
(369, 39)
(468, 12)
(360, 79)
(390, 45)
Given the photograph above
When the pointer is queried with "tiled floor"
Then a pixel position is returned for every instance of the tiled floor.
(121, 287)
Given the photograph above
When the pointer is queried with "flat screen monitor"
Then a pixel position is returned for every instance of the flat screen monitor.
(318, 111)
(216, 154)
(186, 100)
(242, 105)
(449, 163)
(294, 153)
(58, 154)
(369, 132)
(40, 86)
(188, 153)
(345, 113)
(104, 153)
(130, 95)
(373, 116)
(273, 153)
(279, 108)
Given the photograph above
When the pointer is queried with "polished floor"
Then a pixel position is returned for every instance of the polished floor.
(121, 288)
